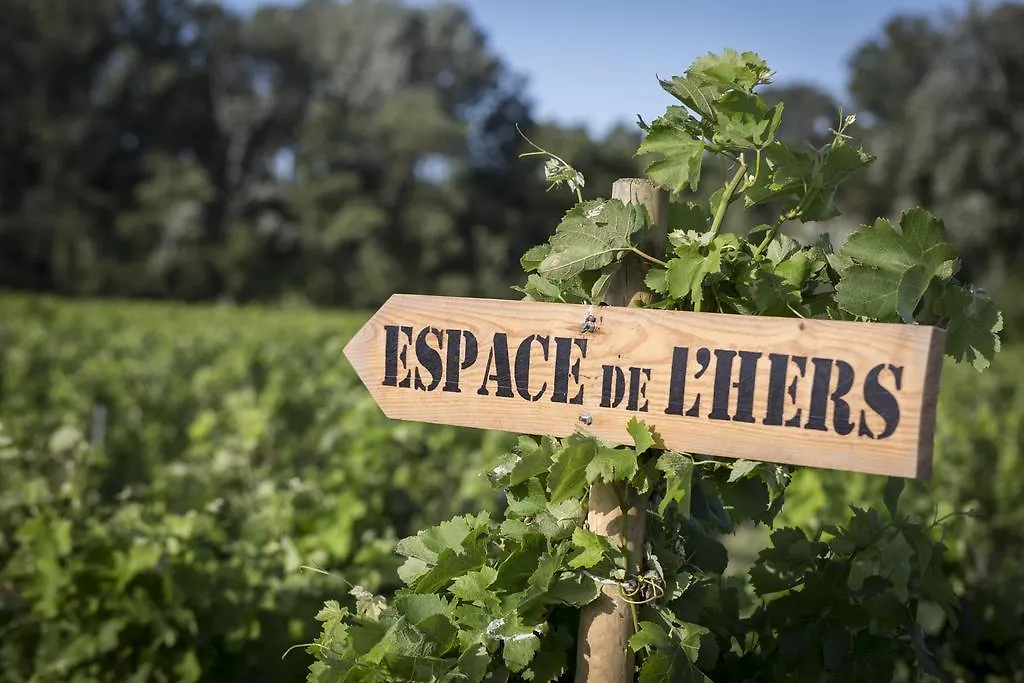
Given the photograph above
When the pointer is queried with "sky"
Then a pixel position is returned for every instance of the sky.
(596, 62)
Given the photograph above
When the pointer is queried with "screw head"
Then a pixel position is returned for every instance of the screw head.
(586, 419)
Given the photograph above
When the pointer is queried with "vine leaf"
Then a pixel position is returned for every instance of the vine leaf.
(891, 271)
(922, 242)
(590, 549)
(742, 468)
(686, 273)
(552, 660)
(678, 470)
(974, 325)
(834, 165)
(474, 587)
(643, 436)
(649, 635)
(682, 155)
(869, 292)
(711, 76)
(891, 495)
(670, 666)
(746, 122)
(534, 257)
(611, 465)
(592, 235)
(568, 478)
(519, 651)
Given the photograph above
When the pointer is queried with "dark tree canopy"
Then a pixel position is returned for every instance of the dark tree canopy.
(336, 152)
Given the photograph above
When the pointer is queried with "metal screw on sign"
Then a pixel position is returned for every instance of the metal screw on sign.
(589, 322)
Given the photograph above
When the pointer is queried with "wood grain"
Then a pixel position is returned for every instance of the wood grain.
(603, 654)
(645, 338)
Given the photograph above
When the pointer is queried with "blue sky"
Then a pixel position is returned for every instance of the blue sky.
(597, 62)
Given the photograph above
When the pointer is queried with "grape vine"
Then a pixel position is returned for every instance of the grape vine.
(498, 599)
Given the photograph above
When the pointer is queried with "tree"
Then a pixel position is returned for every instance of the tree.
(946, 102)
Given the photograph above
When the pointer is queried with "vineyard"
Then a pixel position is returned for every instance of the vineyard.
(174, 477)
(167, 473)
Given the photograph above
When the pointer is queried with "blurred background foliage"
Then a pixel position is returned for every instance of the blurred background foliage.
(335, 153)
(166, 471)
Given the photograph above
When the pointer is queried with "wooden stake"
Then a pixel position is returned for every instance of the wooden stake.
(603, 654)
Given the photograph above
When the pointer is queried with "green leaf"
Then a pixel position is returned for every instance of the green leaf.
(688, 636)
(643, 436)
(746, 122)
(451, 562)
(541, 289)
(922, 243)
(534, 256)
(912, 287)
(682, 154)
(650, 635)
(431, 615)
(657, 668)
(711, 76)
(926, 660)
(661, 667)
(611, 465)
(869, 292)
(520, 563)
(474, 662)
(795, 269)
(552, 660)
(678, 469)
(731, 69)
(519, 651)
(474, 587)
(834, 165)
(925, 238)
(591, 236)
(656, 280)
(575, 590)
(704, 552)
(527, 499)
(599, 290)
(590, 549)
(411, 570)
(450, 534)
(742, 468)
(534, 460)
(559, 519)
(772, 294)
(547, 566)
(568, 478)
(414, 547)
(891, 496)
(785, 173)
(972, 334)
(686, 273)
(890, 272)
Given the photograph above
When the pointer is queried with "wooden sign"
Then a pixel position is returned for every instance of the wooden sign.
(833, 394)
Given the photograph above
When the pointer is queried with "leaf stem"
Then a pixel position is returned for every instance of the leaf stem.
(771, 233)
(723, 205)
(648, 257)
(542, 151)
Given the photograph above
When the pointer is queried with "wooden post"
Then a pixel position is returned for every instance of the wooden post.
(603, 653)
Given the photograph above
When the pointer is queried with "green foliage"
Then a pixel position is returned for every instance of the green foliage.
(850, 601)
(245, 156)
(977, 490)
(167, 472)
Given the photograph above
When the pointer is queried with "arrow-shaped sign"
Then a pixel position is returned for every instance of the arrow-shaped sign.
(835, 394)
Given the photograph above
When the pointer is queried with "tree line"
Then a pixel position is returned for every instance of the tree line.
(334, 153)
